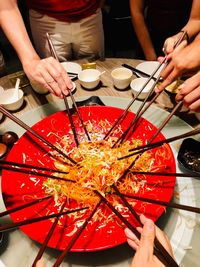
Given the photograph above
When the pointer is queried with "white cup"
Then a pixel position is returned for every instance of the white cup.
(121, 77)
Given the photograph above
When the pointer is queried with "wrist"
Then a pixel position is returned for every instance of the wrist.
(186, 37)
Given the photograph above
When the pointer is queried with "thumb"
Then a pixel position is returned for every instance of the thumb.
(147, 239)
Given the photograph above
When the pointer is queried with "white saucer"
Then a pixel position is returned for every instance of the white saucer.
(72, 67)
(149, 67)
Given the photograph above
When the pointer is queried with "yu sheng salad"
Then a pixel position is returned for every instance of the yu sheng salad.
(98, 168)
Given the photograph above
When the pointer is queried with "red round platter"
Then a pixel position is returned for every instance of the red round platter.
(20, 188)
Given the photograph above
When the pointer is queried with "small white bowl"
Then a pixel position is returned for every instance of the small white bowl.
(137, 84)
(89, 78)
(121, 77)
(38, 88)
(9, 102)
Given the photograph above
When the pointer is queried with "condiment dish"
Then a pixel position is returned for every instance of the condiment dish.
(189, 155)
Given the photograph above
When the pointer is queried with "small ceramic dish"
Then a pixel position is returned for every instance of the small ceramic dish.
(138, 83)
(89, 78)
(149, 67)
(9, 100)
(173, 87)
(72, 67)
(189, 156)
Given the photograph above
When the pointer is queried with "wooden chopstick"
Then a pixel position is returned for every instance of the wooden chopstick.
(41, 138)
(164, 203)
(139, 112)
(49, 235)
(4, 213)
(178, 105)
(168, 174)
(28, 166)
(164, 253)
(14, 169)
(73, 240)
(159, 250)
(138, 71)
(54, 54)
(124, 113)
(71, 121)
(147, 147)
(37, 219)
(52, 48)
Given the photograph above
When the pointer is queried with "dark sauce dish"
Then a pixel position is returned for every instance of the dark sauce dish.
(189, 156)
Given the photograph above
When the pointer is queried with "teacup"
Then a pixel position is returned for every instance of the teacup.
(121, 77)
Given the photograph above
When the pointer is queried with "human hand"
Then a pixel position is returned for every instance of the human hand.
(182, 60)
(189, 93)
(144, 247)
(40, 263)
(50, 74)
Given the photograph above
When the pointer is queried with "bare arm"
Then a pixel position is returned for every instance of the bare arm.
(141, 30)
(47, 72)
(192, 27)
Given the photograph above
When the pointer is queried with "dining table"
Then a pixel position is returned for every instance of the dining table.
(182, 227)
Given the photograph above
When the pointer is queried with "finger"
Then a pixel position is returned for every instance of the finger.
(192, 97)
(195, 106)
(40, 263)
(56, 76)
(147, 238)
(170, 78)
(133, 244)
(132, 239)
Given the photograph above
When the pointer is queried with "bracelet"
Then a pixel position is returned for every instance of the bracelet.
(187, 38)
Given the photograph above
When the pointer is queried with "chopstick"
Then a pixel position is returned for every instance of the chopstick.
(34, 133)
(165, 257)
(28, 166)
(71, 95)
(71, 121)
(51, 46)
(168, 174)
(178, 105)
(14, 169)
(138, 71)
(139, 112)
(147, 147)
(49, 235)
(4, 213)
(73, 240)
(164, 203)
(163, 254)
(124, 113)
(37, 219)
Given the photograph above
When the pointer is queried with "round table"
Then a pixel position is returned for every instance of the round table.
(182, 227)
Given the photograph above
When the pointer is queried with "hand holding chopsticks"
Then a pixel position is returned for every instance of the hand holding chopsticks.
(53, 51)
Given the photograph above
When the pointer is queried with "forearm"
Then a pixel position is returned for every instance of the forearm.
(141, 29)
(13, 26)
(193, 25)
